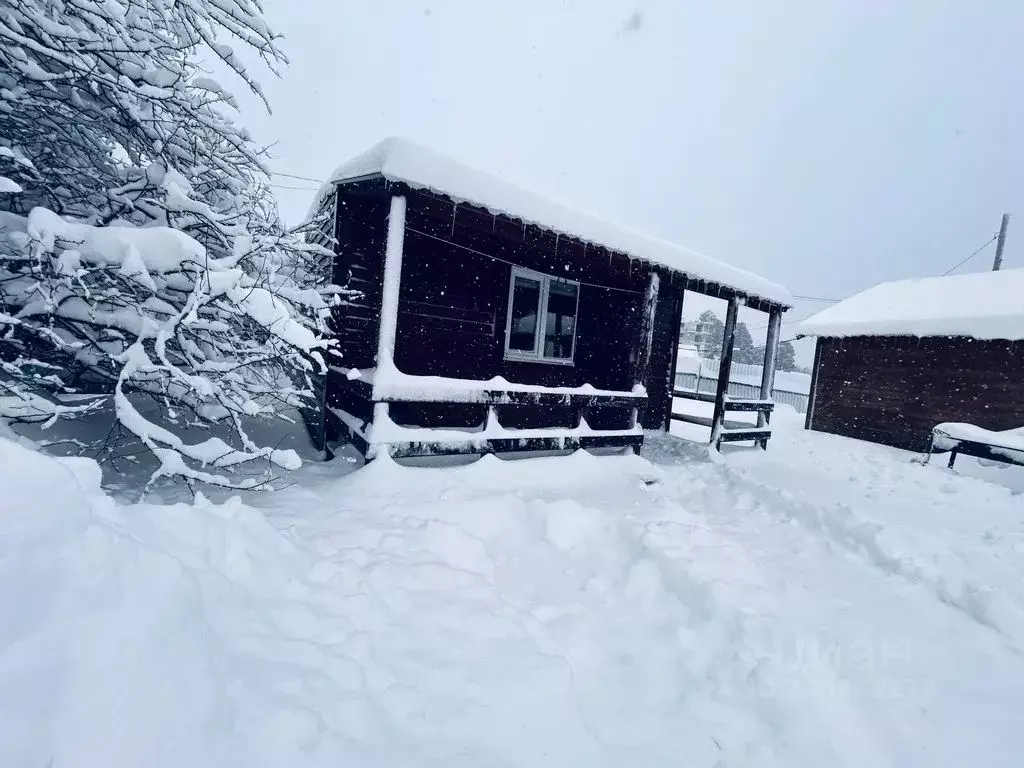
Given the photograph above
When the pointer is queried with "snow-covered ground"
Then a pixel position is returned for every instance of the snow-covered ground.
(825, 603)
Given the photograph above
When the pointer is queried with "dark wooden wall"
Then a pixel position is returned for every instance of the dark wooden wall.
(456, 269)
(361, 233)
(894, 389)
(362, 237)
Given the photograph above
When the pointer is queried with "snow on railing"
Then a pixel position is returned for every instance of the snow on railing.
(394, 385)
(386, 431)
(386, 385)
(701, 375)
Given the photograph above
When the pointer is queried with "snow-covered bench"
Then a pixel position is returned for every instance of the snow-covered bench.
(970, 440)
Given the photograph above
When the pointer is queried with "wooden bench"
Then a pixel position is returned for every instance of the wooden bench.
(730, 431)
(956, 438)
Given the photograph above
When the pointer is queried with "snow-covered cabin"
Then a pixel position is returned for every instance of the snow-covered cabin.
(897, 359)
(492, 319)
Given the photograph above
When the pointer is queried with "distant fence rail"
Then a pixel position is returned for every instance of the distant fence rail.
(707, 382)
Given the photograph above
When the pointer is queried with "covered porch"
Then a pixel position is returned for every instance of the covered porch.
(718, 410)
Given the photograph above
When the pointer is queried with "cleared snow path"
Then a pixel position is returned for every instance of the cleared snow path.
(574, 611)
(960, 537)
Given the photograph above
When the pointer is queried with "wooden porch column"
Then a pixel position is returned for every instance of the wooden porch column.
(813, 395)
(724, 371)
(392, 284)
(771, 353)
(677, 327)
(646, 334)
(388, 315)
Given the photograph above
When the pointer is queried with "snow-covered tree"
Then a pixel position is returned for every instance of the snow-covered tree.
(743, 350)
(140, 248)
(787, 357)
(710, 330)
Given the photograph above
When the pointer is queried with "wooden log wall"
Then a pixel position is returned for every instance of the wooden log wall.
(894, 389)
(362, 234)
(455, 291)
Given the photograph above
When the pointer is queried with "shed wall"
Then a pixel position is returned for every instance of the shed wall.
(894, 389)
(362, 235)
(456, 271)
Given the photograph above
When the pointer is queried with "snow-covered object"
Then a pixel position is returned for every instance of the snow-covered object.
(154, 244)
(982, 305)
(9, 185)
(151, 100)
(384, 431)
(389, 383)
(1009, 442)
(401, 160)
(167, 320)
(392, 283)
(152, 249)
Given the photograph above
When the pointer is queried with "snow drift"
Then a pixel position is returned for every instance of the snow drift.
(577, 611)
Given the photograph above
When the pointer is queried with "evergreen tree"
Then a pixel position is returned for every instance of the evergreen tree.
(787, 357)
(709, 334)
(743, 346)
(141, 253)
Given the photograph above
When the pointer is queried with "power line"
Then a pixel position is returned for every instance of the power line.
(815, 298)
(296, 176)
(832, 301)
(287, 186)
(973, 254)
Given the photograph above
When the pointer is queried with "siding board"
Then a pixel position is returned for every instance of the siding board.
(462, 277)
(894, 389)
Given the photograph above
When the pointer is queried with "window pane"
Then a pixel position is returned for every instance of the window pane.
(561, 320)
(525, 299)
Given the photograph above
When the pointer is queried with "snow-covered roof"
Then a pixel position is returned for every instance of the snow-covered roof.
(984, 305)
(403, 161)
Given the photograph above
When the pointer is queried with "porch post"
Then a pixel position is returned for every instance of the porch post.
(812, 396)
(724, 371)
(771, 353)
(392, 283)
(645, 337)
(388, 317)
(677, 327)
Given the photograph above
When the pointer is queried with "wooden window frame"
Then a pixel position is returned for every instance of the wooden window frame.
(537, 355)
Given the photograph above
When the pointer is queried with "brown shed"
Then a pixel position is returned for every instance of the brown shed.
(895, 360)
(491, 320)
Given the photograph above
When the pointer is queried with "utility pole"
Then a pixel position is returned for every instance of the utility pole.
(998, 262)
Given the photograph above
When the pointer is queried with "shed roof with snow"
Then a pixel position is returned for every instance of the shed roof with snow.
(982, 305)
(403, 161)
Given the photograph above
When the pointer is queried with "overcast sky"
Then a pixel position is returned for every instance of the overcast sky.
(825, 145)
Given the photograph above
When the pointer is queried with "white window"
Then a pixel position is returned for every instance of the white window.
(541, 317)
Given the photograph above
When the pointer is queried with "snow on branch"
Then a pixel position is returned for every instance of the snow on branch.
(142, 256)
(150, 310)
